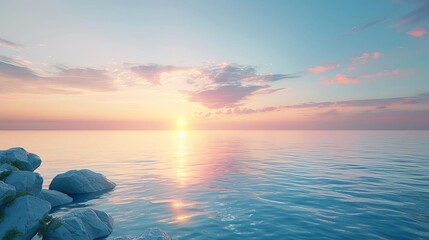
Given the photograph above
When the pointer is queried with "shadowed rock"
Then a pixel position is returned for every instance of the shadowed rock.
(54, 197)
(6, 192)
(7, 167)
(23, 217)
(25, 182)
(82, 224)
(150, 234)
(81, 181)
(20, 158)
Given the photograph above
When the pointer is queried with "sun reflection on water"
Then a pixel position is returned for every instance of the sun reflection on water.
(181, 158)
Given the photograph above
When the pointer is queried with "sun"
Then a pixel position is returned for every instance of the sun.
(181, 122)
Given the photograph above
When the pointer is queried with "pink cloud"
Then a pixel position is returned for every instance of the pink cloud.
(366, 56)
(352, 67)
(417, 32)
(381, 74)
(376, 55)
(362, 58)
(320, 69)
(223, 96)
(395, 73)
(342, 79)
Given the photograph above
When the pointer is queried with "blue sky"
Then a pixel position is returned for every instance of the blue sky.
(274, 37)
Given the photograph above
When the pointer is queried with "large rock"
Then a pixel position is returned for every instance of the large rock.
(23, 217)
(82, 224)
(25, 182)
(150, 234)
(55, 198)
(81, 181)
(20, 158)
(7, 192)
(7, 167)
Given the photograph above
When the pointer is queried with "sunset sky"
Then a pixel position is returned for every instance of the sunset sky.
(214, 64)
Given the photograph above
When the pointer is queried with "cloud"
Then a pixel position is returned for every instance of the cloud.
(10, 44)
(228, 85)
(367, 25)
(223, 96)
(321, 69)
(217, 74)
(152, 73)
(342, 79)
(417, 32)
(418, 15)
(363, 59)
(16, 76)
(10, 69)
(376, 55)
(381, 74)
(376, 103)
(366, 56)
(336, 110)
(233, 74)
(214, 86)
(395, 73)
(82, 78)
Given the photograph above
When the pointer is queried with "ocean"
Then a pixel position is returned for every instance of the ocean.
(248, 184)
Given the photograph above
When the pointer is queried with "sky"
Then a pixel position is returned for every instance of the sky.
(358, 64)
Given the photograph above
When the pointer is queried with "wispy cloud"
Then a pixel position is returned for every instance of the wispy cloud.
(366, 25)
(232, 74)
(384, 73)
(322, 68)
(341, 79)
(333, 108)
(17, 76)
(417, 32)
(152, 73)
(227, 85)
(418, 14)
(223, 96)
(363, 59)
(10, 44)
(214, 86)
(366, 56)
(376, 103)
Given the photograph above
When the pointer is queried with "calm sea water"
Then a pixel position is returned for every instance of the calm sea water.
(249, 185)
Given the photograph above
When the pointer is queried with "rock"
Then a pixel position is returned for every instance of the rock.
(20, 158)
(81, 181)
(7, 167)
(54, 197)
(7, 192)
(25, 182)
(82, 224)
(150, 234)
(23, 217)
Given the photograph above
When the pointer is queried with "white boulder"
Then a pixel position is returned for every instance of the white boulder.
(25, 182)
(20, 158)
(23, 217)
(150, 234)
(6, 192)
(54, 197)
(82, 224)
(81, 181)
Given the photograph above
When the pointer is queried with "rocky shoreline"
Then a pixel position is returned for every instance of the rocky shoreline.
(25, 208)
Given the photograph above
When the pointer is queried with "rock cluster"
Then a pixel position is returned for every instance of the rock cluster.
(25, 206)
